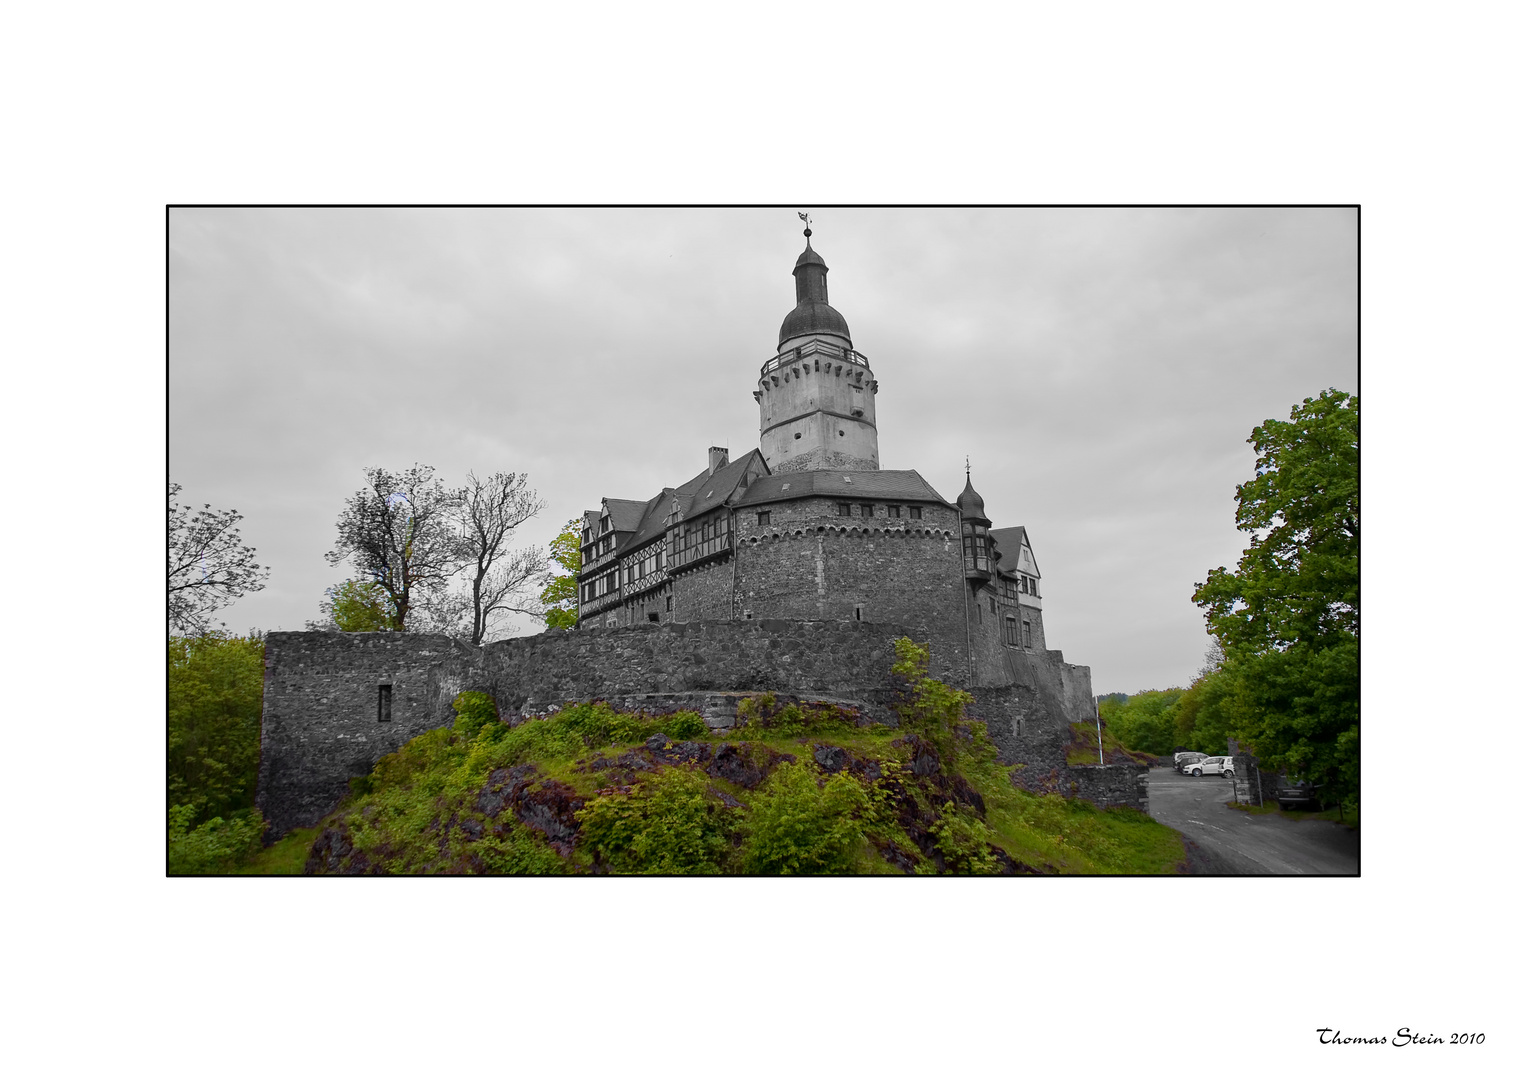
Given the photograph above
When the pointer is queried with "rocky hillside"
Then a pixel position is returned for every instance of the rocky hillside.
(795, 788)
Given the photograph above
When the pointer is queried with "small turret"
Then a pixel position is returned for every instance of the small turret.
(975, 532)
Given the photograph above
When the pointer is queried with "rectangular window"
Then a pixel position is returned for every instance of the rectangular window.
(667, 603)
(384, 703)
(915, 513)
(867, 509)
(844, 510)
(653, 616)
(1012, 630)
(858, 612)
(763, 517)
(893, 511)
(992, 600)
(1028, 640)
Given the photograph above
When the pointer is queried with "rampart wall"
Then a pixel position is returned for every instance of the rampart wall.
(321, 723)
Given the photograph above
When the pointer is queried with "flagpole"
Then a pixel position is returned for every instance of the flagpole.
(1098, 716)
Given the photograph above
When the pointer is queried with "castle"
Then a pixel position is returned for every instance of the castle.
(809, 526)
(791, 569)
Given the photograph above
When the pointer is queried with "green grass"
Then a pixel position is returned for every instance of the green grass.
(285, 856)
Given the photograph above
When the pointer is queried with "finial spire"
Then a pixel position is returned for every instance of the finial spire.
(967, 468)
(807, 219)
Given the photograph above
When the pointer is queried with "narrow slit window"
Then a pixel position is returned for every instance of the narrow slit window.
(384, 703)
(858, 612)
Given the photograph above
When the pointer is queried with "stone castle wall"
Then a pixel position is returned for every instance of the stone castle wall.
(320, 725)
(1103, 785)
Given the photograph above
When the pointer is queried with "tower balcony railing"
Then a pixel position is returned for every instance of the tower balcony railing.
(836, 354)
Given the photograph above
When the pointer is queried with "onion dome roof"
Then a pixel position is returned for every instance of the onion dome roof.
(812, 313)
(813, 317)
(970, 503)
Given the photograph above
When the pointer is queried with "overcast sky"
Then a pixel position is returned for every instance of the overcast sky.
(1101, 368)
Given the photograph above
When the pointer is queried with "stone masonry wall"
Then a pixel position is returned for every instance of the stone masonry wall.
(808, 563)
(319, 724)
(705, 593)
(1102, 785)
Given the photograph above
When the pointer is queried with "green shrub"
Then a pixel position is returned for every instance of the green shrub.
(669, 823)
(215, 846)
(798, 826)
(964, 842)
(519, 851)
(685, 725)
(475, 710)
(763, 713)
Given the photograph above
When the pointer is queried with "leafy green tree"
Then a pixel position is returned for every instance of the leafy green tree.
(1287, 616)
(215, 691)
(560, 596)
(400, 531)
(353, 606)
(1145, 722)
(209, 564)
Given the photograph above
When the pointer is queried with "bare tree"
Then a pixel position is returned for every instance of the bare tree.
(499, 581)
(209, 564)
(400, 532)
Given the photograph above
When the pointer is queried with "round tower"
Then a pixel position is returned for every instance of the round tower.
(816, 395)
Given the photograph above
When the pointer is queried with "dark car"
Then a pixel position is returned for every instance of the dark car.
(1184, 759)
(1300, 795)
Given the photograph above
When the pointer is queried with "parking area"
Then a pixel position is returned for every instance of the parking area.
(1235, 842)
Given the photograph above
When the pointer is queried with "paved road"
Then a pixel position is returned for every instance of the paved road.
(1235, 842)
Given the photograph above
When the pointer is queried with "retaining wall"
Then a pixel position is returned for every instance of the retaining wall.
(321, 726)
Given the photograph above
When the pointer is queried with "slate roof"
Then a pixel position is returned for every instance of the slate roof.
(1009, 542)
(706, 491)
(897, 485)
(709, 495)
(651, 525)
(625, 514)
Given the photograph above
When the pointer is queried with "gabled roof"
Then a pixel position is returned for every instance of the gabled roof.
(714, 491)
(625, 514)
(904, 485)
(1009, 543)
(651, 526)
(646, 521)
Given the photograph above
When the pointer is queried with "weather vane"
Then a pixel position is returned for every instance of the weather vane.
(967, 466)
(806, 219)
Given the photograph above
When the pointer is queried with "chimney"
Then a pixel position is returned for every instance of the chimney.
(717, 459)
